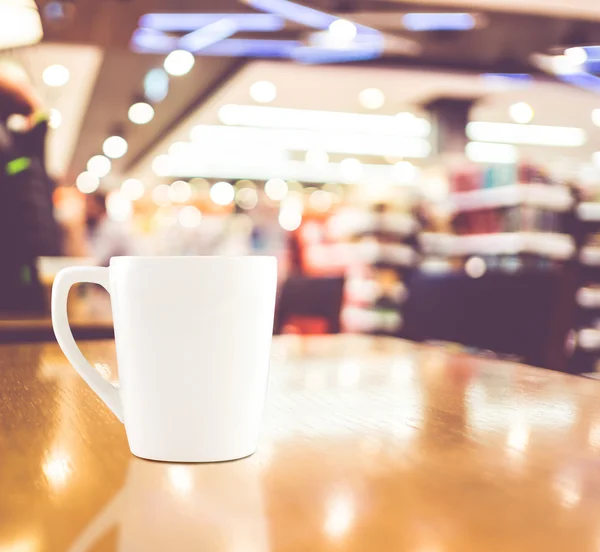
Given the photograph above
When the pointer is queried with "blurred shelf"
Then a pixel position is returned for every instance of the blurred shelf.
(588, 297)
(588, 211)
(365, 252)
(553, 246)
(352, 222)
(357, 319)
(368, 291)
(590, 255)
(552, 197)
(588, 339)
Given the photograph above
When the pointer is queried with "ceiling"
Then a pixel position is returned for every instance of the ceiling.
(104, 84)
(337, 89)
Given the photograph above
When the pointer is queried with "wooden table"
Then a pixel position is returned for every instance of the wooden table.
(367, 445)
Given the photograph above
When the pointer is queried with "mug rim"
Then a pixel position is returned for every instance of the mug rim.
(189, 257)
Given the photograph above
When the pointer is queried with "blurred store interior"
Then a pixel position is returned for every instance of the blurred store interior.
(425, 170)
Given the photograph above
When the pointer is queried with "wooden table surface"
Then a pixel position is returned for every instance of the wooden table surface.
(367, 444)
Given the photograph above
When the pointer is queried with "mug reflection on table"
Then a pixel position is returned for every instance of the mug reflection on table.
(182, 508)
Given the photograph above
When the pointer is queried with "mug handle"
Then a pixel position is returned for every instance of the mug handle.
(66, 278)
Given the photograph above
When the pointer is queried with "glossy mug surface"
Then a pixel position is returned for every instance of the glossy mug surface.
(193, 338)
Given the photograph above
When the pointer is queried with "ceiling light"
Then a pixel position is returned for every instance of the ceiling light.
(308, 119)
(87, 182)
(207, 35)
(481, 152)
(179, 149)
(132, 189)
(342, 30)
(99, 165)
(140, 113)
(246, 198)
(438, 21)
(317, 158)
(350, 169)
(276, 189)
(563, 65)
(371, 98)
(161, 165)
(290, 219)
(190, 217)
(294, 12)
(55, 75)
(521, 112)
(179, 62)
(118, 207)
(405, 172)
(115, 147)
(596, 116)
(178, 22)
(160, 195)
(509, 133)
(222, 193)
(263, 91)
(180, 191)
(577, 55)
(250, 141)
(54, 118)
(156, 85)
(596, 159)
(20, 23)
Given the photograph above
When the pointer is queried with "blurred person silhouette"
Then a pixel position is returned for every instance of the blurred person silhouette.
(27, 225)
(107, 238)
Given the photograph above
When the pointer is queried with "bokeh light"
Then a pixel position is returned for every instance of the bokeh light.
(371, 98)
(132, 189)
(263, 91)
(180, 191)
(290, 219)
(246, 198)
(276, 189)
(99, 165)
(162, 165)
(160, 195)
(56, 75)
(521, 112)
(342, 30)
(475, 267)
(140, 113)
(115, 147)
(190, 217)
(320, 200)
(54, 118)
(350, 169)
(118, 207)
(222, 193)
(87, 182)
(317, 158)
(179, 63)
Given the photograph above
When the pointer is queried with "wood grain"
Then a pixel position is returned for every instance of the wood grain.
(367, 444)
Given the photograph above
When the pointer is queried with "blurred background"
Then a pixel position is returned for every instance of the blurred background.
(420, 169)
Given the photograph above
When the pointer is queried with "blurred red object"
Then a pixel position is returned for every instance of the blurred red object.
(306, 325)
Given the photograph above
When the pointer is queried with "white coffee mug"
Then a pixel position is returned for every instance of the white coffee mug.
(193, 337)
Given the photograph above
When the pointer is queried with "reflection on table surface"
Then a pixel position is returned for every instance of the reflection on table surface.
(367, 444)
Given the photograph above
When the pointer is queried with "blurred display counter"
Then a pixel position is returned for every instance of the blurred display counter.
(90, 317)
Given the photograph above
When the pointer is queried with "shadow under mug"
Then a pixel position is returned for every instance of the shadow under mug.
(193, 338)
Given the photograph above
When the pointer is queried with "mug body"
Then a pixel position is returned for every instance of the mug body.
(193, 337)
